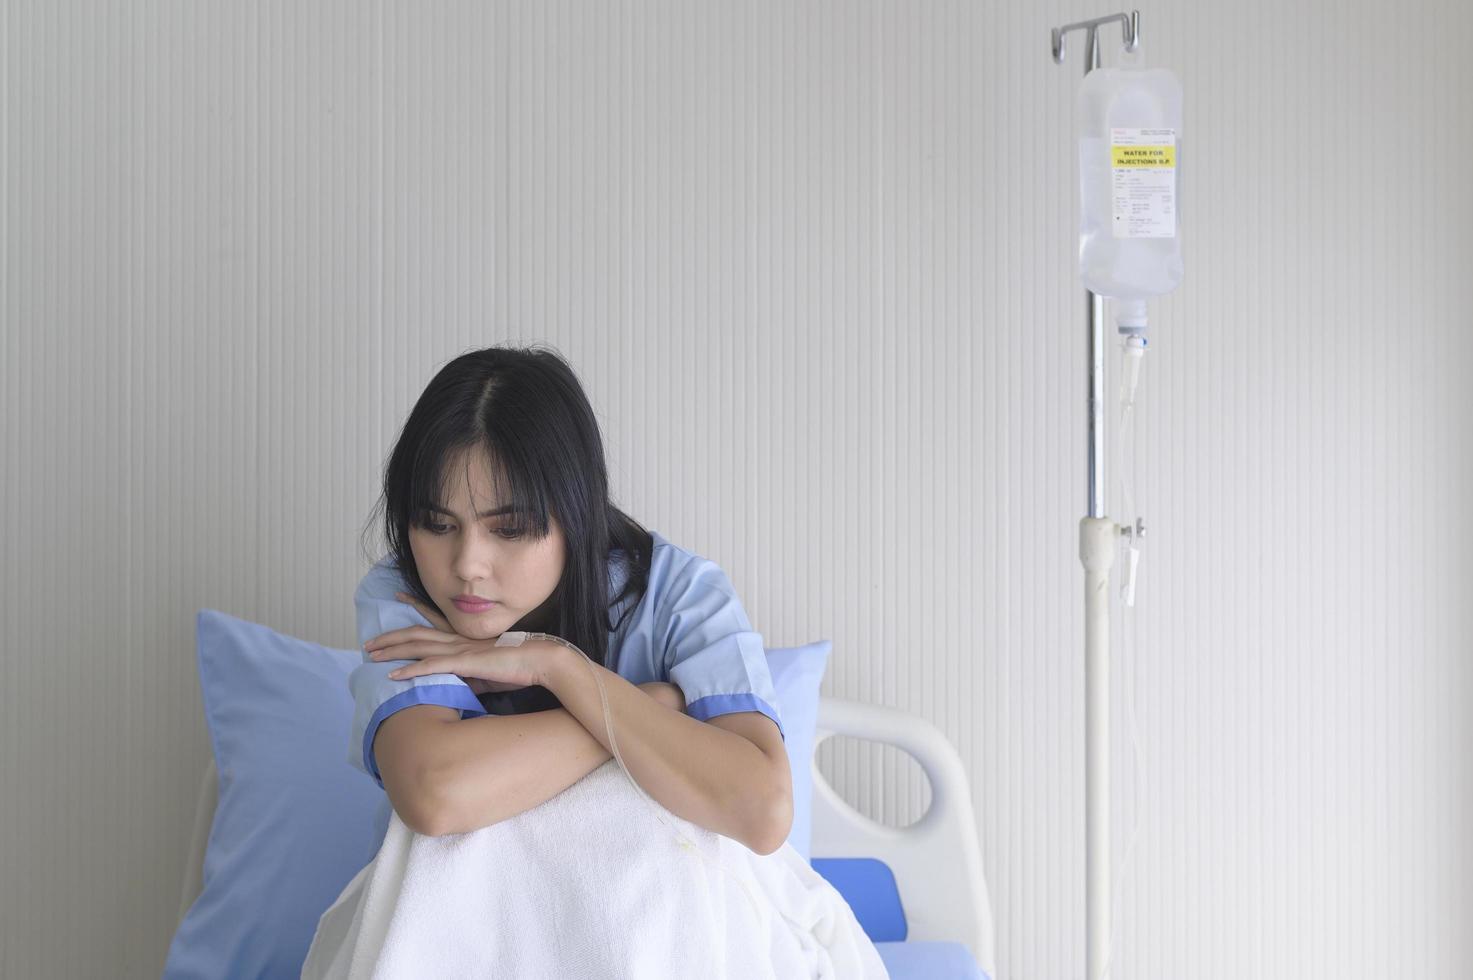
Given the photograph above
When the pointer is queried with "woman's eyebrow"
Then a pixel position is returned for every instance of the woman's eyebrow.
(485, 513)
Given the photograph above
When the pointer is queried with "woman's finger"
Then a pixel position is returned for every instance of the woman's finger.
(451, 664)
(414, 650)
(408, 634)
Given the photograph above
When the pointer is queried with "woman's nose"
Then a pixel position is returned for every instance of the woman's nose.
(473, 560)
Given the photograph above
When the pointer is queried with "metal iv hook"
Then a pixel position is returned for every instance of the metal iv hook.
(1131, 27)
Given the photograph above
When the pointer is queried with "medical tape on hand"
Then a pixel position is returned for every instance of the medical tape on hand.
(515, 638)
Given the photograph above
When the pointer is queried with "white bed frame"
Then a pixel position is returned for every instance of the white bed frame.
(937, 860)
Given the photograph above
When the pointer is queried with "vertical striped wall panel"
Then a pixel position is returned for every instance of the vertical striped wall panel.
(814, 263)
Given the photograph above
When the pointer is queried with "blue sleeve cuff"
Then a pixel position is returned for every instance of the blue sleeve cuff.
(714, 705)
(456, 695)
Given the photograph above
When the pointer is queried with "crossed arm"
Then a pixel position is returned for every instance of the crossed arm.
(448, 776)
(729, 774)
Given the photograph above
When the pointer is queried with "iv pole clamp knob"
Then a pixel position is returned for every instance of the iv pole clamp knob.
(1132, 535)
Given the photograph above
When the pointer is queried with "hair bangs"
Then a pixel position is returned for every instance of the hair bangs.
(513, 484)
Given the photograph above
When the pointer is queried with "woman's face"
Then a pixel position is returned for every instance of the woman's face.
(493, 557)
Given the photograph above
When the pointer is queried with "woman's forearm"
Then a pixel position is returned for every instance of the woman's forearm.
(497, 766)
(493, 767)
(714, 778)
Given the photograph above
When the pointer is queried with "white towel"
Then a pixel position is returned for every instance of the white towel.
(590, 883)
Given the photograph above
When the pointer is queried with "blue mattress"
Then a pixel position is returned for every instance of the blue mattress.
(869, 887)
(929, 961)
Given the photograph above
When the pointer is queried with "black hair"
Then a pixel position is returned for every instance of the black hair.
(525, 407)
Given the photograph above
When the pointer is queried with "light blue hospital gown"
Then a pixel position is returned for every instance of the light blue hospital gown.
(689, 628)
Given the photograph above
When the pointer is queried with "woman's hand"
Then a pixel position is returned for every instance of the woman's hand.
(435, 652)
(508, 665)
(394, 646)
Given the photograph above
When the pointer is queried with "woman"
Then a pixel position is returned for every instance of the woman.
(499, 524)
(498, 519)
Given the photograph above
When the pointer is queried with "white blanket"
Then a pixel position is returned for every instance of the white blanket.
(591, 883)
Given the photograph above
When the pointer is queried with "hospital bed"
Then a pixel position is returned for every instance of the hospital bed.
(918, 891)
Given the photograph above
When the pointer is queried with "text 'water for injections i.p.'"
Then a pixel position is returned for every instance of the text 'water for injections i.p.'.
(1129, 126)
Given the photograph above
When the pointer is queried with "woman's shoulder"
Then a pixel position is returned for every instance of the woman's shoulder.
(669, 570)
(677, 571)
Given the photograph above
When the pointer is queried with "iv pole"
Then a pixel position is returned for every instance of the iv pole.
(1097, 538)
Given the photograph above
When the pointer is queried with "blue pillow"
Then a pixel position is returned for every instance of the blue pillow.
(797, 673)
(294, 822)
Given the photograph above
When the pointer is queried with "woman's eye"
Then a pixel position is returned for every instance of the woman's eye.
(506, 533)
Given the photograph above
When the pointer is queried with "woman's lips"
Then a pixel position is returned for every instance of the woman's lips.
(472, 607)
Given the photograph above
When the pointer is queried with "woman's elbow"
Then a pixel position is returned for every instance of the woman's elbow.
(411, 802)
(777, 823)
(405, 747)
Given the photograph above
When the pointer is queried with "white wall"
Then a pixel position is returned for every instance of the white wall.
(815, 265)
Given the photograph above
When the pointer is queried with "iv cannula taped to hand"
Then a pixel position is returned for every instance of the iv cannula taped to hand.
(516, 638)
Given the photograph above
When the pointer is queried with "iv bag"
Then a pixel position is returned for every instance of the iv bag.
(1129, 126)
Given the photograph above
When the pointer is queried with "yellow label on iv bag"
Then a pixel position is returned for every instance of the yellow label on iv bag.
(1143, 182)
(1143, 156)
